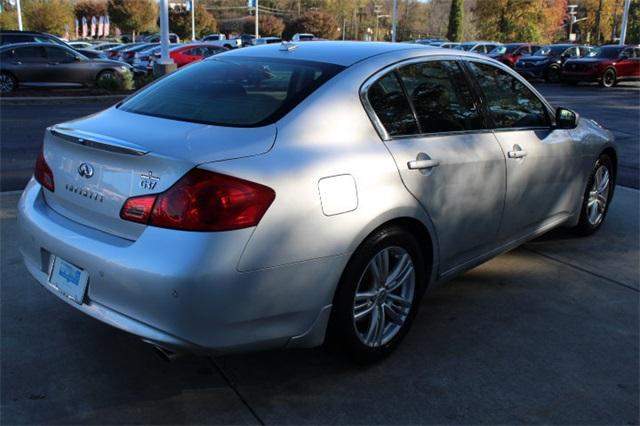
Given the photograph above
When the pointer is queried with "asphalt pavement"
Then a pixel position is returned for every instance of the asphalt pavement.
(22, 126)
(545, 334)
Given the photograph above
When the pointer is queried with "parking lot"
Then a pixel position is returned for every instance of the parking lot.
(547, 333)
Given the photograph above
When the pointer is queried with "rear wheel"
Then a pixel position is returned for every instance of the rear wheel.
(608, 78)
(8, 83)
(597, 197)
(378, 295)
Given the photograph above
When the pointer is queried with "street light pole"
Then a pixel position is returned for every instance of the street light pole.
(165, 65)
(19, 12)
(394, 20)
(257, 32)
(625, 22)
(193, 20)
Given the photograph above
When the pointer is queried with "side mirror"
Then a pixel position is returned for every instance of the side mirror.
(566, 118)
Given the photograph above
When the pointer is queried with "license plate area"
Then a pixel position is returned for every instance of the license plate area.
(68, 279)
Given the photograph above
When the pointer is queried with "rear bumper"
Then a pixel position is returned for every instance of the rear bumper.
(182, 290)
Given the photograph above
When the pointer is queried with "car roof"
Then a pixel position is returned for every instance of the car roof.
(343, 53)
(31, 43)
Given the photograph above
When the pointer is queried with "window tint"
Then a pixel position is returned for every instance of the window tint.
(30, 54)
(510, 103)
(392, 107)
(55, 54)
(441, 97)
(232, 92)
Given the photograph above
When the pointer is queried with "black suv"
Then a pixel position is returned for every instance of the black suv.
(547, 62)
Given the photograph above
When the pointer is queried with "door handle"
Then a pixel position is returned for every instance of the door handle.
(520, 153)
(422, 164)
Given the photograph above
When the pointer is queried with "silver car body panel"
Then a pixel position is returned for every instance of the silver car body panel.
(337, 178)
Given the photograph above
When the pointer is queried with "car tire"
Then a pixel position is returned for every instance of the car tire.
(107, 75)
(596, 197)
(362, 303)
(553, 75)
(8, 83)
(608, 78)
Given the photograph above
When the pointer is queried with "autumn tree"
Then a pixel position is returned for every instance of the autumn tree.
(89, 8)
(133, 15)
(456, 19)
(180, 21)
(520, 20)
(320, 24)
(8, 17)
(270, 26)
(49, 16)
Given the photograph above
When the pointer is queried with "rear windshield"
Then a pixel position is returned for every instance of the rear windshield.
(236, 92)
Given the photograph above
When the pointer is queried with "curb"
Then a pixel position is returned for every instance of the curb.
(59, 99)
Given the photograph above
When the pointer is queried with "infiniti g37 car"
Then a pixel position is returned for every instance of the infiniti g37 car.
(284, 196)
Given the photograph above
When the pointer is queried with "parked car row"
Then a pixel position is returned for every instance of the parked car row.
(565, 62)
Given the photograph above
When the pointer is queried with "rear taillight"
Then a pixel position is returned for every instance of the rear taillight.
(43, 173)
(202, 201)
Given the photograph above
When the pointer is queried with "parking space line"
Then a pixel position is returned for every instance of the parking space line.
(235, 390)
(579, 268)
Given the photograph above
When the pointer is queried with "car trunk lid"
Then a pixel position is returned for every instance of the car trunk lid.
(100, 161)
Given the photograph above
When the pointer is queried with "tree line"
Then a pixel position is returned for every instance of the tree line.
(540, 21)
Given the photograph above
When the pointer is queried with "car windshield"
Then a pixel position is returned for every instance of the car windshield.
(499, 50)
(608, 52)
(236, 92)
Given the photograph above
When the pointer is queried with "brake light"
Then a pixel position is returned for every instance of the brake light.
(202, 201)
(43, 173)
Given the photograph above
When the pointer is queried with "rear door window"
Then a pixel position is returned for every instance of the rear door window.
(510, 103)
(30, 54)
(238, 92)
(441, 97)
(391, 106)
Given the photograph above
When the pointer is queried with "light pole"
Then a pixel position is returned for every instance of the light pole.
(625, 22)
(257, 28)
(165, 65)
(19, 12)
(394, 20)
(192, 4)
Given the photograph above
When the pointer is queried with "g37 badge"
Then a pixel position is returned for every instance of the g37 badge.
(148, 181)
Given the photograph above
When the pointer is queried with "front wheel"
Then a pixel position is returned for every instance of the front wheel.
(553, 75)
(8, 83)
(378, 295)
(597, 197)
(608, 79)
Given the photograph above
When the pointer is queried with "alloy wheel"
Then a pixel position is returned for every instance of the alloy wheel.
(384, 296)
(598, 195)
(6, 83)
(608, 78)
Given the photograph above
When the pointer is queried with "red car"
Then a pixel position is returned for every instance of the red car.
(607, 65)
(510, 53)
(187, 53)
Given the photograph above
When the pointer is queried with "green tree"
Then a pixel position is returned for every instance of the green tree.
(270, 26)
(133, 15)
(8, 17)
(48, 16)
(320, 24)
(456, 20)
(180, 21)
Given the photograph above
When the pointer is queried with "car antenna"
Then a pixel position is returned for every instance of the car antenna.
(288, 46)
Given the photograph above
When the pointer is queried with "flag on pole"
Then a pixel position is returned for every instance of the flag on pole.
(93, 26)
(77, 29)
(84, 27)
(66, 31)
(100, 26)
(106, 26)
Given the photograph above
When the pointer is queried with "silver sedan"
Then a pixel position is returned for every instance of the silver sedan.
(288, 195)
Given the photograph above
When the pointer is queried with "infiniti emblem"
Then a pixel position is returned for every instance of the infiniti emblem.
(85, 170)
